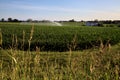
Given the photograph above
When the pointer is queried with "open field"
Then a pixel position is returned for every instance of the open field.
(97, 55)
(57, 38)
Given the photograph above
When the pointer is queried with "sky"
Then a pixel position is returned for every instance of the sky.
(60, 9)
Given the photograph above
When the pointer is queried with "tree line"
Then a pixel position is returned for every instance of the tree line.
(72, 20)
(15, 20)
(10, 20)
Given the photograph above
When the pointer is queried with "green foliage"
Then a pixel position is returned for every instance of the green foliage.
(102, 63)
(56, 38)
(0, 38)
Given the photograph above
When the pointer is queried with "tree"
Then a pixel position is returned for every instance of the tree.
(72, 20)
(2, 19)
(15, 20)
(9, 19)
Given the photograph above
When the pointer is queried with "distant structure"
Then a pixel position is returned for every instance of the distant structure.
(92, 23)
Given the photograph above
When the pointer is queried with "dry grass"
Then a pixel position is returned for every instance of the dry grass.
(90, 65)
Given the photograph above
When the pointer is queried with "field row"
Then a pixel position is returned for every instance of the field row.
(57, 38)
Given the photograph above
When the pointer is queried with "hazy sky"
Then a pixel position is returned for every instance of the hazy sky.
(60, 9)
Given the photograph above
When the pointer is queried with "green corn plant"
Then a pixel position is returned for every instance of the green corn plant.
(0, 38)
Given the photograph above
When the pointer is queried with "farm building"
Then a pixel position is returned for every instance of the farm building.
(92, 23)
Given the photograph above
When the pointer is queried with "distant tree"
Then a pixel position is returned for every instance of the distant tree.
(108, 22)
(82, 20)
(36, 21)
(2, 19)
(72, 20)
(9, 19)
(15, 20)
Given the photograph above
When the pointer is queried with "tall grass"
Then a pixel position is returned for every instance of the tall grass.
(56, 66)
(102, 63)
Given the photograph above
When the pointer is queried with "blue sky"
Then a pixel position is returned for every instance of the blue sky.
(60, 9)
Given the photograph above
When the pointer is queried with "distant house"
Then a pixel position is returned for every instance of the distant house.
(92, 23)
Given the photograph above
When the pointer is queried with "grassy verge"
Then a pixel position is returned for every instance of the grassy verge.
(97, 64)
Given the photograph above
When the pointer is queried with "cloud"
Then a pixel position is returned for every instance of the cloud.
(47, 8)
(37, 8)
